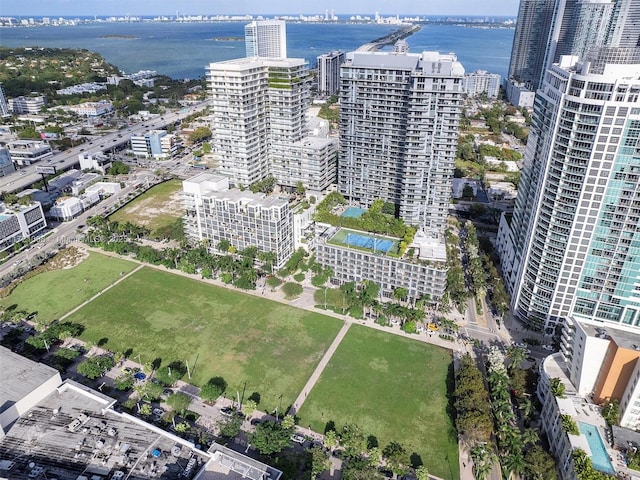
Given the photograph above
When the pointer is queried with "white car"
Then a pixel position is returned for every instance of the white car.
(548, 348)
(297, 438)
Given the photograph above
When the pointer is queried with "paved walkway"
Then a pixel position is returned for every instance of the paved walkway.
(122, 278)
(306, 302)
(319, 369)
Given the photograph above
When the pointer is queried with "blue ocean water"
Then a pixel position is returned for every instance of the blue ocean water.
(181, 50)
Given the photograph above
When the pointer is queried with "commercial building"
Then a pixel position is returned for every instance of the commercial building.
(519, 95)
(573, 249)
(19, 222)
(482, 82)
(244, 219)
(27, 152)
(259, 123)
(266, 38)
(399, 116)
(154, 144)
(91, 109)
(27, 105)
(329, 72)
(68, 431)
(94, 161)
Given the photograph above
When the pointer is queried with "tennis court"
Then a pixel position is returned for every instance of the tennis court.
(364, 241)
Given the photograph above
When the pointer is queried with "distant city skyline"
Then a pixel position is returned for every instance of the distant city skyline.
(256, 7)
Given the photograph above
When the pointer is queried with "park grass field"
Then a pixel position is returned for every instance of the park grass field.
(395, 389)
(272, 347)
(53, 293)
(157, 208)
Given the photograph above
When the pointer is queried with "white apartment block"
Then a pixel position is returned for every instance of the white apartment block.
(91, 109)
(259, 123)
(482, 82)
(27, 105)
(399, 116)
(26, 152)
(20, 222)
(266, 38)
(244, 219)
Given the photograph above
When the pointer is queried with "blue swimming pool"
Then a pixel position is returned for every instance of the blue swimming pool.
(353, 212)
(599, 455)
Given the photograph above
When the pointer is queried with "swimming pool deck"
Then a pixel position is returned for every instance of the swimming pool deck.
(589, 413)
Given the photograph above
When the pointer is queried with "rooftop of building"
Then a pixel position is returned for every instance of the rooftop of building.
(622, 338)
(20, 376)
(245, 63)
(448, 62)
(247, 198)
(555, 367)
(72, 433)
(227, 464)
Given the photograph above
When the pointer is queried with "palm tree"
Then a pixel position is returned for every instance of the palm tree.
(516, 355)
(483, 458)
(514, 463)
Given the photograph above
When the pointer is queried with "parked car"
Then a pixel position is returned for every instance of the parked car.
(548, 348)
(297, 438)
(158, 411)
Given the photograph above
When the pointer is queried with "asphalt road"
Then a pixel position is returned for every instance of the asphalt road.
(66, 232)
(65, 160)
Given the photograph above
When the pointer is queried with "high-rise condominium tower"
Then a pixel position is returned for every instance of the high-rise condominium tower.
(572, 247)
(266, 38)
(399, 116)
(259, 123)
(329, 72)
(575, 232)
(530, 40)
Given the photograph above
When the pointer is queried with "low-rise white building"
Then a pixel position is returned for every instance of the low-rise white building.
(91, 109)
(244, 219)
(66, 208)
(20, 222)
(27, 105)
(27, 152)
(85, 180)
(95, 161)
(502, 191)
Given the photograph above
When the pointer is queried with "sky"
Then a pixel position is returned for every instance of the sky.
(256, 7)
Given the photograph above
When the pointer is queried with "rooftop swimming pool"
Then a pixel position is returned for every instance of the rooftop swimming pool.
(353, 212)
(599, 454)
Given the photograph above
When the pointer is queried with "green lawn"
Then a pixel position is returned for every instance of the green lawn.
(395, 389)
(157, 208)
(272, 347)
(54, 293)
